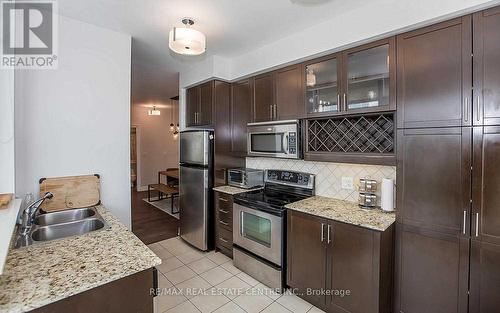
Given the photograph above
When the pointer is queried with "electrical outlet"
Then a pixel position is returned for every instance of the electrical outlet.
(347, 183)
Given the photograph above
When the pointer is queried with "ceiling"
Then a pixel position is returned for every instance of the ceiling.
(233, 27)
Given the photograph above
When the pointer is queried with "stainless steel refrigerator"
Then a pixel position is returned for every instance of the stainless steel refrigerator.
(195, 188)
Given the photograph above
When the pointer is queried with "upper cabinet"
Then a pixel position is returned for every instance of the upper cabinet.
(241, 112)
(289, 93)
(279, 95)
(359, 80)
(199, 105)
(369, 77)
(263, 106)
(323, 85)
(486, 99)
(434, 73)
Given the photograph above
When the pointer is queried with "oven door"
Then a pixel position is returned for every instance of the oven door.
(258, 232)
(273, 140)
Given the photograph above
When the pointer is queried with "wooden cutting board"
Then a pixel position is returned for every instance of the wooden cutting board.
(70, 192)
(5, 199)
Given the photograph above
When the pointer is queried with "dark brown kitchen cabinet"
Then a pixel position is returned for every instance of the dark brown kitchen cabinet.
(323, 85)
(486, 187)
(192, 106)
(484, 277)
(434, 70)
(241, 113)
(434, 178)
(263, 105)
(359, 262)
(431, 272)
(289, 93)
(130, 294)
(369, 77)
(200, 104)
(207, 102)
(223, 139)
(486, 46)
(485, 221)
(224, 223)
(306, 255)
(352, 263)
(279, 95)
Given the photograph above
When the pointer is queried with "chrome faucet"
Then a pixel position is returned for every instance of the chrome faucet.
(30, 213)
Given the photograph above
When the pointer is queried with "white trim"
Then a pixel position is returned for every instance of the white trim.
(8, 218)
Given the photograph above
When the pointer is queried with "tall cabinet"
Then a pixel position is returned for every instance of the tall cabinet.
(448, 151)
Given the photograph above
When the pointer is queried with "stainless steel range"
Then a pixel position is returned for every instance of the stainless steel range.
(259, 225)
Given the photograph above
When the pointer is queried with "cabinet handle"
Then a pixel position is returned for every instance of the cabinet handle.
(223, 240)
(222, 199)
(345, 102)
(478, 108)
(275, 111)
(271, 111)
(477, 224)
(224, 223)
(338, 102)
(466, 109)
(328, 235)
(465, 220)
(322, 232)
(226, 212)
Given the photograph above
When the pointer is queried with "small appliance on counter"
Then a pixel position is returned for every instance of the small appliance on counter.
(246, 178)
(279, 139)
(387, 195)
(259, 225)
(367, 196)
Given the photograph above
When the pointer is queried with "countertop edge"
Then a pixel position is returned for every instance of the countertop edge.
(341, 221)
(312, 212)
(8, 218)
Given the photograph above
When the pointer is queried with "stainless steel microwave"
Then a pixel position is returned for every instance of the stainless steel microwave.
(279, 139)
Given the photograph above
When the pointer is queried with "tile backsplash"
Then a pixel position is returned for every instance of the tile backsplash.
(329, 175)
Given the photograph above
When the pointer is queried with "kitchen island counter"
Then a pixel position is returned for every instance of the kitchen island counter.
(42, 274)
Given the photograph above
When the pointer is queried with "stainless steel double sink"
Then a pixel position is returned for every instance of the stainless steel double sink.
(62, 224)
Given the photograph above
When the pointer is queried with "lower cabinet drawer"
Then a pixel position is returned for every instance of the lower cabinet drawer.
(224, 238)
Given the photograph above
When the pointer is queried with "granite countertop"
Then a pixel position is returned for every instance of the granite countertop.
(41, 274)
(344, 211)
(234, 190)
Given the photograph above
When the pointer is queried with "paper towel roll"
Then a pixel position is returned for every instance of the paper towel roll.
(387, 195)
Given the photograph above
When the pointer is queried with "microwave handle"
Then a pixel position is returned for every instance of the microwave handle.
(285, 143)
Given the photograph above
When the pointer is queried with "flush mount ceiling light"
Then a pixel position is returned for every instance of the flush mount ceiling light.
(154, 111)
(185, 40)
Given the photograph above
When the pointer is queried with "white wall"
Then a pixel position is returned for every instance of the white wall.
(6, 130)
(76, 120)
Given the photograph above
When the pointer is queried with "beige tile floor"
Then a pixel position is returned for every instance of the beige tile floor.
(191, 281)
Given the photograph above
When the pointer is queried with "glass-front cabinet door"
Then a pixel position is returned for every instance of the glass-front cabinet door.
(368, 77)
(322, 86)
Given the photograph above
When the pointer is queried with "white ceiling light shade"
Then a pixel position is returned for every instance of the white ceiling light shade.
(185, 40)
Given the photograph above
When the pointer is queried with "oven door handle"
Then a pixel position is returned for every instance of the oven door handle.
(284, 143)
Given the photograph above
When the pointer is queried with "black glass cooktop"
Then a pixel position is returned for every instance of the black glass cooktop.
(267, 199)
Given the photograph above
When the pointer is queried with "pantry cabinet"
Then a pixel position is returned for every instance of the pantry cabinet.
(486, 45)
(339, 267)
(241, 113)
(434, 70)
